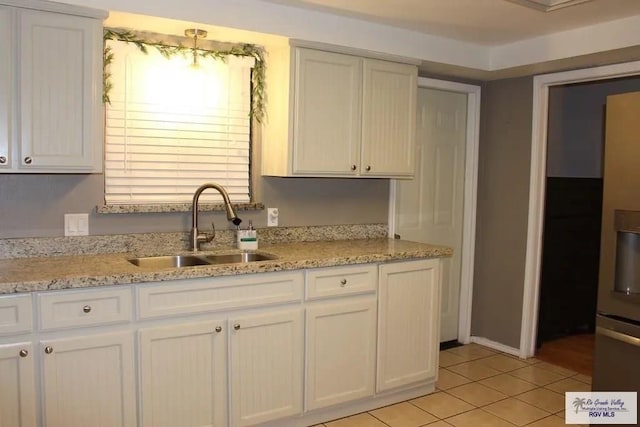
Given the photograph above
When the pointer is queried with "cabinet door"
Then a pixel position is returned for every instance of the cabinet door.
(266, 367)
(326, 129)
(408, 323)
(388, 118)
(6, 86)
(17, 387)
(89, 381)
(60, 104)
(341, 345)
(183, 375)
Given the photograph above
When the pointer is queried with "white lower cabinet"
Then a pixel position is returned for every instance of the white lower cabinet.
(266, 366)
(408, 323)
(183, 380)
(17, 385)
(340, 351)
(222, 352)
(89, 380)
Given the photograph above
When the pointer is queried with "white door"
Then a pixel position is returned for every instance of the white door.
(266, 366)
(430, 208)
(183, 379)
(89, 381)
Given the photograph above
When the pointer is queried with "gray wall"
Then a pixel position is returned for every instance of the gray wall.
(576, 126)
(34, 205)
(503, 203)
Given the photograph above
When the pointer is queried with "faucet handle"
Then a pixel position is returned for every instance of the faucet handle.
(207, 237)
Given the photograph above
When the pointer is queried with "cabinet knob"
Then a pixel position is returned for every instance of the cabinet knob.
(48, 349)
(28, 160)
(86, 309)
(343, 282)
(218, 329)
(24, 353)
(236, 326)
(368, 168)
(353, 167)
(3, 160)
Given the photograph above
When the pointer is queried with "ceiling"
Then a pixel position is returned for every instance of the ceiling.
(484, 22)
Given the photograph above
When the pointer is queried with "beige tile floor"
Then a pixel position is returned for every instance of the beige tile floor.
(480, 387)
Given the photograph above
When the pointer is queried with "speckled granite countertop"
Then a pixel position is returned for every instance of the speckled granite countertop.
(68, 272)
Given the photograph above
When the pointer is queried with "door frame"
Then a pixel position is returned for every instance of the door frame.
(470, 197)
(533, 260)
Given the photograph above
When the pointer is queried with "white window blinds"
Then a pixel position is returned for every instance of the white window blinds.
(171, 127)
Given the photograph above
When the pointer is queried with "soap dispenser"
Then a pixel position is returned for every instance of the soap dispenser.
(247, 239)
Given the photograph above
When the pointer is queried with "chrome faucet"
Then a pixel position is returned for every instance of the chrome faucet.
(196, 237)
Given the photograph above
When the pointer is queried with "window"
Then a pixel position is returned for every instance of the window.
(171, 127)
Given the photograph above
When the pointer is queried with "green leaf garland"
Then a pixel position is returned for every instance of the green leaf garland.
(256, 52)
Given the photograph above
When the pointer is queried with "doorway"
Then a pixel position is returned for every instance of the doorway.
(439, 205)
(572, 218)
(598, 77)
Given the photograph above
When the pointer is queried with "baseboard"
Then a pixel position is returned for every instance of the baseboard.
(496, 346)
(320, 416)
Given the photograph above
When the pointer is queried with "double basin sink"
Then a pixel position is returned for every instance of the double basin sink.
(192, 260)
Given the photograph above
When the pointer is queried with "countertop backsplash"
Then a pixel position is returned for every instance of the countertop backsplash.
(149, 244)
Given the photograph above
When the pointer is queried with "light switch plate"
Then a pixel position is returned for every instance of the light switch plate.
(272, 217)
(76, 224)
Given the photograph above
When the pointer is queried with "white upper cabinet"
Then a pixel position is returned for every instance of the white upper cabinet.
(6, 78)
(50, 90)
(339, 115)
(326, 127)
(388, 118)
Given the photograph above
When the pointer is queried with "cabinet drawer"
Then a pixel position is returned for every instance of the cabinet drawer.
(15, 314)
(204, 295)
(69, 309)
(349, 280)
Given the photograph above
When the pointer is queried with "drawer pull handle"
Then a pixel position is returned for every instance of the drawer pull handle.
(3, 160)
(368, 168)
(86, 309)
(218, 329)
(24, 353)
(28, 160)
(236, 326)
(343, 282)
(48, 349)
(353, 167)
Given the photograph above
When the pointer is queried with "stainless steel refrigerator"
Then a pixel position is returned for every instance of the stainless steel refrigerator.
(617, 343)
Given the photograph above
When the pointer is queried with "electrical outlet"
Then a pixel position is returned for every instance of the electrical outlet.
(272, 217)
(76, 224)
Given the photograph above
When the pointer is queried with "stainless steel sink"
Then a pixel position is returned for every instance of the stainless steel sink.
(240, 257)
(169, 261)
(179, 261)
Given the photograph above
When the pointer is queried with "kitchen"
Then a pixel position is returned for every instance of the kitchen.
(28, 200)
